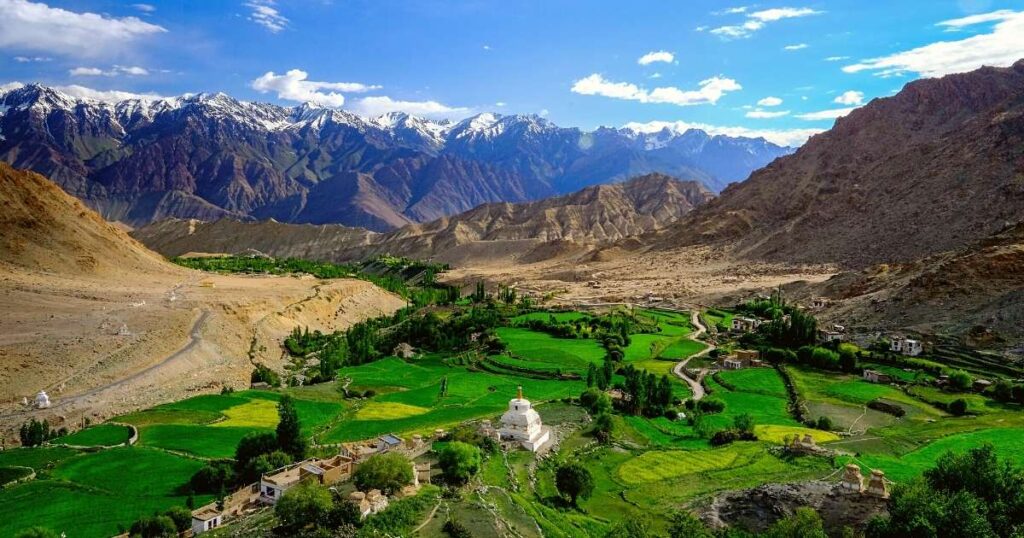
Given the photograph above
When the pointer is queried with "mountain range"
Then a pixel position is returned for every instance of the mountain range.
(527, 231)
(937, 167)
(209, 156)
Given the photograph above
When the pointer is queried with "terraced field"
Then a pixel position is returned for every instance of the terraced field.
(102, 435)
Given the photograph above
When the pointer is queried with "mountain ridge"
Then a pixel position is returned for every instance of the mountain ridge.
(209, 156)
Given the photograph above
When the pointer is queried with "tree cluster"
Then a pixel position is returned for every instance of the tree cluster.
(35, 433)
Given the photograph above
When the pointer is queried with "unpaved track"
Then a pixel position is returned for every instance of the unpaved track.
(195, 338)
(680, 368)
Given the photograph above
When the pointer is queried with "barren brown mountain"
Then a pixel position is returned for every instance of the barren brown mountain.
(936, 167)
(489, 233)
(104, 325)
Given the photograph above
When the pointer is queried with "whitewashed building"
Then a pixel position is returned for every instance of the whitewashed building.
(522, 423)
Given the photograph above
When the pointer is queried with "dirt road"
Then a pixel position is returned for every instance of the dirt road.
(680, 369)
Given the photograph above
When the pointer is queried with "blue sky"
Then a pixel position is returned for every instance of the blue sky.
(779, 69)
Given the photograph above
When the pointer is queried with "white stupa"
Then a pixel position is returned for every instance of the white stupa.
(521, 423)
(42, 400)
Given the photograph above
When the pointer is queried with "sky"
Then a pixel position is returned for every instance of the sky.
(782, 70)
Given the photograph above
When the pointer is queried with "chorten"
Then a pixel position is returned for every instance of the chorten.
(522, 424)
(42, 400)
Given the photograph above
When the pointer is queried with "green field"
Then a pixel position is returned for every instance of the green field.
(91, 494)
(765, 408)
(567, 354)
(102, 435)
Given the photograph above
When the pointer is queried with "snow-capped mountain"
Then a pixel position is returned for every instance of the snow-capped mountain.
(210, 155)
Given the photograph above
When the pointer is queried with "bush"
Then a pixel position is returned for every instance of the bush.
(824, 423)
(154, 527)
(724, 437)
(595, 401)
(958, 407)
(307, 503)
(685, 525)
(891, 409)
(960, 380)
(603, 427)
(456, 530)
(213, 478)
(181, 516)
(459, 462)
(710, 405)
(387, 472)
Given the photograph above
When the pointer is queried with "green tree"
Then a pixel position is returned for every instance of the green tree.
(603, 427)
(387, 472)
(958, 407)
(595, 401)
(181, 516)
(960, 380)
(289, 430)
(306, 504)
(459, 461)
(683, 524)
(574, 481)
(154, 527)
(634, 527)
(804, 523)
(744, 423)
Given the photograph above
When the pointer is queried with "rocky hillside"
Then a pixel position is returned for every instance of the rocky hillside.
(934, 168)
(211, 156)
(44, 229)
(594, 215)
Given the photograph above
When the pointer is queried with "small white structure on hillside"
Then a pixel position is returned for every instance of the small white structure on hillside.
(42, 400)
(205, 520)
(906, 346)
(521, 423)
(745, 325)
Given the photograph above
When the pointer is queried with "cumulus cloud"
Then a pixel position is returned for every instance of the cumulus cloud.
(656, 56)
(133, 70)
(757, 20)
(783, 137)
(265, 14)
(826, 114)
(762, 114)
(709, 92)
(36, 26)
(770, 101)
(375, 106)
(1000, 47)
(295, 86)
(798, 46)
(850, 97)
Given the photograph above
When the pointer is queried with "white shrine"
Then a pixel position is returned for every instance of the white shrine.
(521, 423)
(42, 400)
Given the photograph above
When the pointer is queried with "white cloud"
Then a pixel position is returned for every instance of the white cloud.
(655, 75)
(375, 106)
(836, 58)
(970, 20)
(770, 101)
(735, 10)
(501, 104)
(850, 97)
(110, 96)
(1001, 47)
(487, 47)
(544, 113)
(798, 46)
(760, 114)
(6, 87)
(145, 8)
(656, 56)
(783, 137)
(36, 26)
(134, 71)
(30, 59)
(294, 86)
(757, 20)
(826, 114)
(709, 92)
(266, 15)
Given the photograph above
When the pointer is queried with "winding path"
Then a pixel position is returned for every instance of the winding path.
(680, 368)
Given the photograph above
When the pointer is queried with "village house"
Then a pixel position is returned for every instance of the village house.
(742, 358)
(324, 471)
(745, 325)
(732, 363)
(404, 351)
(874, 376)
(905, 346)
(370, 502)
(205, 520)
(828, 336)
(522, 424)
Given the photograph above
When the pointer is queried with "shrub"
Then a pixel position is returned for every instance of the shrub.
(824, 423)
(960, 380)
(213, 477)
(711, 405)
(459, 462)
(456, 530)
(723, 437)
(891, 409)
(307, 503)
(181, 516)
(154, 527)
(386, 472)
(603, 427)
(958, 407)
